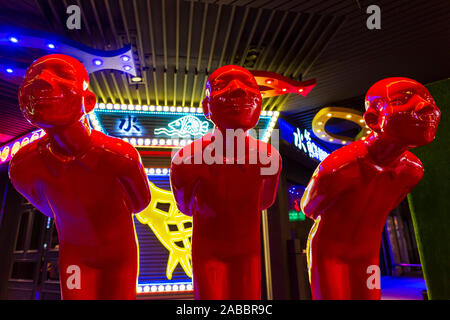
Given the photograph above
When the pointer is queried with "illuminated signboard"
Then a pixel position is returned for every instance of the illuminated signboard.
(187, 126)
(164, 239)
(8, 150)
(155, 125)
(295, 194)
(301, 139)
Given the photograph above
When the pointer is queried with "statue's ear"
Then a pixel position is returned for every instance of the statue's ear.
(89, 101)
(205, 107)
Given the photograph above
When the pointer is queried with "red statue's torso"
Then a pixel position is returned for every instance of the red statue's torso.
(226, 202)
(354, 189)
(352, 195)
(91, 197)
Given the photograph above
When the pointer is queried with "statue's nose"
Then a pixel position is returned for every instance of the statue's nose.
(236, 90)
(42, 82)
(425, 109)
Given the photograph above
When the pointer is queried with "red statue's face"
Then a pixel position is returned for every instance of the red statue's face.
(402, 109)
(233, 99)
(55, 91)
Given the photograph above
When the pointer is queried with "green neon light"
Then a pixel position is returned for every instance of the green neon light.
(296, 215)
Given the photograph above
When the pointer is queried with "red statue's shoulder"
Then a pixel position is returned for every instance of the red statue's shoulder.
(410, 168)
(25, 158)
(343, 158)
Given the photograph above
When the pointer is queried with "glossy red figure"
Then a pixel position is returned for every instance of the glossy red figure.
(225, 196)
(88, 182)
(353, 190)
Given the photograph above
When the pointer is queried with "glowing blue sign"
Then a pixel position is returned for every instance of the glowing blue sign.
(301, 138)
(186, 126)
(303, 142)
(129, 125)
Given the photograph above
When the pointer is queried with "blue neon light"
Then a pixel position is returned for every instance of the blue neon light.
(186, 126)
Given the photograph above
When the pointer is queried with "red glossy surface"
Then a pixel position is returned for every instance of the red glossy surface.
(272, 84)
(226, 199)
(88, 182)
(353, 190)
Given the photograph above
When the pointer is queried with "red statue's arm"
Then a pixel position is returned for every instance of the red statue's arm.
(182, 181)
(323, 189)
(22, 173)
(270, 182)
(134, 179)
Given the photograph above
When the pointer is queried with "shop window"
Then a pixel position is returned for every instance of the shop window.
(20, 243)
(38, 225)
(52, 271)
(23, 270)
(54, 244)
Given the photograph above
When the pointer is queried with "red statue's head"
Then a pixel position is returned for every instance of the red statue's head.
(55, 91)
(402, 110)
(233, 99)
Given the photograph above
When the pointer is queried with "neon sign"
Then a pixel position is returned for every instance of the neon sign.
(129, 125)
(172, 228)
(303, 142)
(9, 150)
(185, 127)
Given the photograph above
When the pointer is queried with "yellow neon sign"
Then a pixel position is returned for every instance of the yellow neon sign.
(172, 228)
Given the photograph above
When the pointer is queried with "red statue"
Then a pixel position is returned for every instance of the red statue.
(353, 190)
(225, 195)
(88, 182)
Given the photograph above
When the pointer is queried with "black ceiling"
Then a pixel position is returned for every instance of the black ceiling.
(178, 43)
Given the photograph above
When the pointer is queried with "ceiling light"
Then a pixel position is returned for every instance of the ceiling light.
(136, 79)
(13, 39)
(98, 62)
(125, 58)
(127, 68)
(51, 46)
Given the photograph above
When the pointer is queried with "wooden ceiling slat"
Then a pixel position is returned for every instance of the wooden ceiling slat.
(261, 61)
(224, 45)
(153, 51)
(200, 53)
